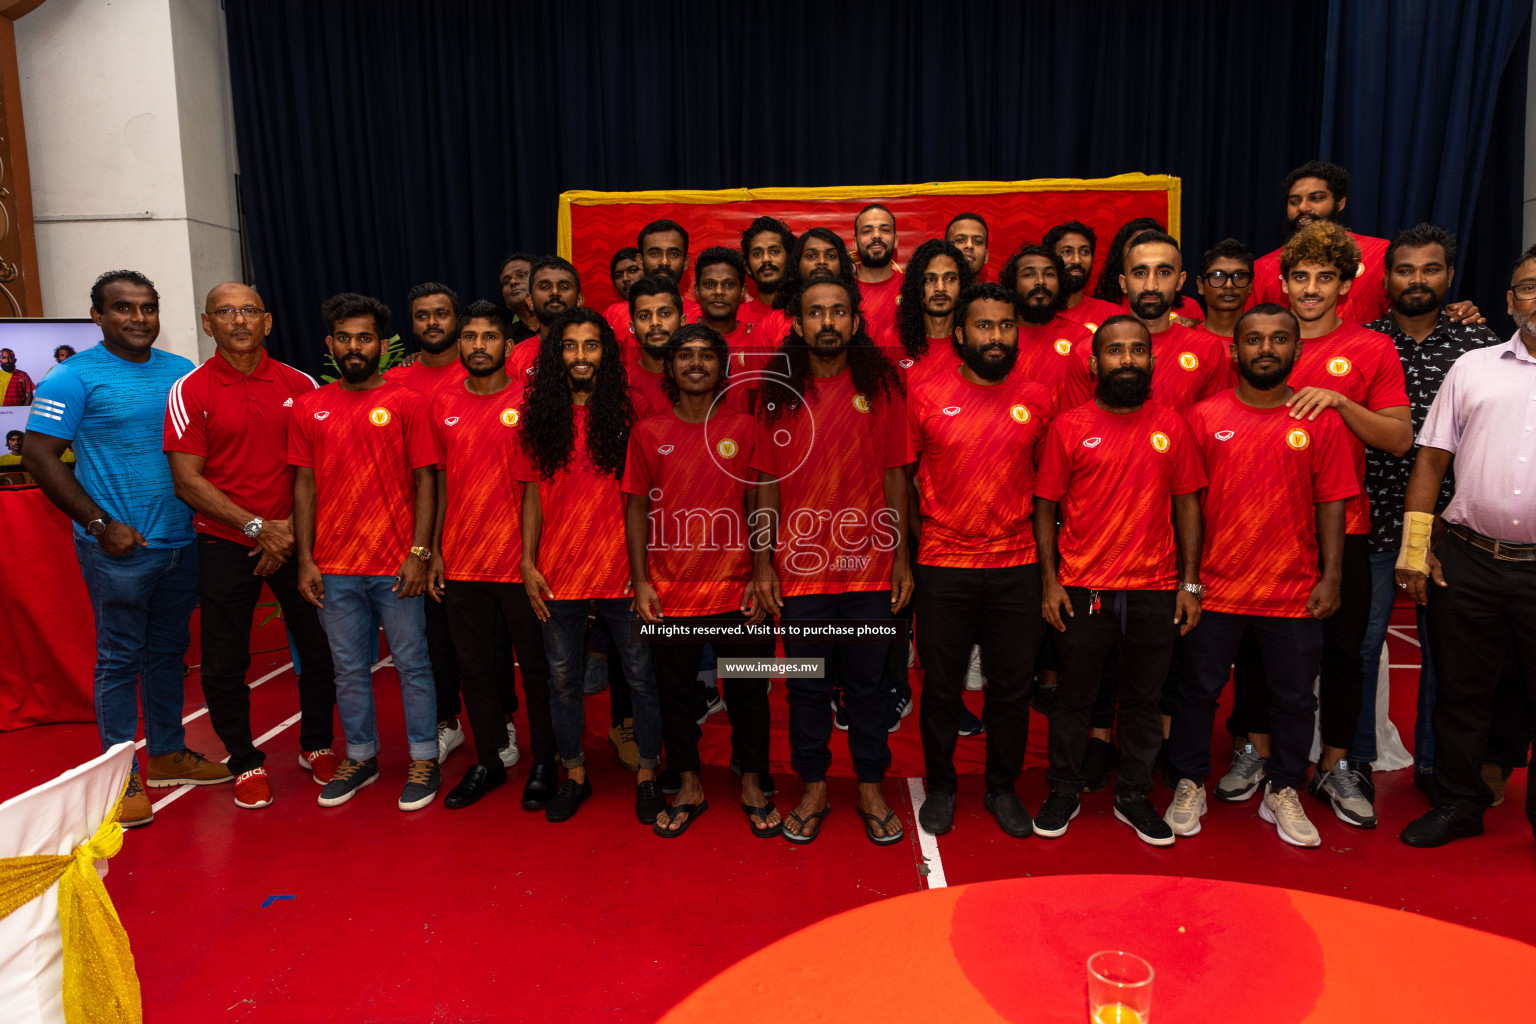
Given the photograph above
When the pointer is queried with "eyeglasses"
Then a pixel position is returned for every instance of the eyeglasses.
(227, 314)
(1219, 278)
(1525, 290)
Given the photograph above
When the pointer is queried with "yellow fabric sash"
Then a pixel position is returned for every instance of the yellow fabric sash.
(101, 984)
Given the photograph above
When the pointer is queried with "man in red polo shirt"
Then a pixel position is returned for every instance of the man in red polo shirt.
(1124, 475)
(656, 312)
(976, 552)
(1275, 503)
(874, 237)
(1046, 338)
(1074, 242)
(968, 232)
(925, 315)
(476, 564)
(226, 436)
(765, 245)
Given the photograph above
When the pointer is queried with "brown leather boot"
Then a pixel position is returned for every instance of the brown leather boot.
(135, 811)
(186, 768)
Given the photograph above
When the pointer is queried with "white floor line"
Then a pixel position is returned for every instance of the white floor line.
(200, 712)
(1414, 665)
(287, 723)
(1403, 633)
(928, 843)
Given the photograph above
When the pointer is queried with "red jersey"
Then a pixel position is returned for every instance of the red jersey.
(830, 456)
(429, 380)
(1115, 476)
(581, 546)
(1365, 368)
(774, 328)
(617, 316)
(752, 310)
(238, 423)
(1267, 474)
(1365, 301)
(698, 476)
(877, 303)
(1191, 367)
(975, 449)
(523, 361)
(1045, 351)
(1091, 312)
(645, 392)
(477, 444)
(364, 447)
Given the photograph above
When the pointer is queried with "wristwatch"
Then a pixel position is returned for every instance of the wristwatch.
(97, 527)
(253, 528)
(425, 554)
(1198, 589)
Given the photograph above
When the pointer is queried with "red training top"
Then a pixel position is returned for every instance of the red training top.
(1191, 367)
(1366, 299)
(477, 444)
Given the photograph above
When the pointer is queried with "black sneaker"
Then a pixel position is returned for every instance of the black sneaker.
(1103, 758)
(901, 705)
(562, 806)
(1138, 812)
(350, 777)
(1056, 815)
(839, 712)
(1441, 825)
(970, 725)
(712, 703)
(1163, 767)
(421, 781)
(670, 780)
(649, 802)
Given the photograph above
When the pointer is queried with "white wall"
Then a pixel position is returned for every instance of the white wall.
(131, 143)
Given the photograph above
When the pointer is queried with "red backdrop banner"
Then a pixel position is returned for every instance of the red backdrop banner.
(595, 225)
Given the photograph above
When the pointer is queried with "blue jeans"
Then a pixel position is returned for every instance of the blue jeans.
(143, 605)
(1384, 593)
(348, 616)
(563, 634)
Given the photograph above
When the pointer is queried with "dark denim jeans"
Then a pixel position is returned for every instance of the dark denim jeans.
(1383, 595)
(143, 605)
(563, 634)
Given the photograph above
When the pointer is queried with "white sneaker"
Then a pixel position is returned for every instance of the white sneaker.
(509, 753)
(1245, 776)
(1187, 809)
(974, 680)
(1283, 810)
(449, 736)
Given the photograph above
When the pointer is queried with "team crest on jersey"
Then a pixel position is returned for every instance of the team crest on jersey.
(1063, 347)
(1019, 413)
(322, 414)
(1298, 439)
(379, 417)
(1091, 442)
(1223, 435)
(1091, 327)
(1189, 361)
(1160, 440)
(665, 449)
(509, 417)
(1339, 366)
(907, 364)
(449, 421)
(727, 448)
(861, 403)
(953, 410)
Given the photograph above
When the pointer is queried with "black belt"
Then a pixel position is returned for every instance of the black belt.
(1498, 548)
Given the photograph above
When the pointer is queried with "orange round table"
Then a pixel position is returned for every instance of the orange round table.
(1016, 950)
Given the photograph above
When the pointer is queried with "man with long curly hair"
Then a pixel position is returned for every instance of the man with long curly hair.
(925, 314)
(576, 422)
(831, 456)
(818, 255)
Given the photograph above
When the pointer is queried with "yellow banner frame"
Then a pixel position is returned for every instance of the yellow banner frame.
(1135, 182)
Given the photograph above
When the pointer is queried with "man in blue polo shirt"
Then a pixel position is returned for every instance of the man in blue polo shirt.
(133, 536)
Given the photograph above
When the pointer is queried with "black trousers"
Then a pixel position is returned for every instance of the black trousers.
(474, 610)
(1003, 606)
(1103, 716)
(1487, 605)
(1292, 650)
(1138, 626)
(227, 593)
(1342, 670)
(746, 699)
(445, 663)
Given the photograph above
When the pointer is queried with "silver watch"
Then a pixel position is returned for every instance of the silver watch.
(1198, 589)
(253, 528)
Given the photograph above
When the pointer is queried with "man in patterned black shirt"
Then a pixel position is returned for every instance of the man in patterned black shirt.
(1420, 265)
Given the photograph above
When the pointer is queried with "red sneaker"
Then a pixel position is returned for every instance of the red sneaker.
(252, 790)
(319, 763)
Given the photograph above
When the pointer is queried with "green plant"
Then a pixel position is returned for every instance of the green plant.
(393, 355)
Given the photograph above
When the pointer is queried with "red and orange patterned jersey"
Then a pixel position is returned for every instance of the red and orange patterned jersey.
(1191, 366)
(975, 448)
(1364, 367)
(364, 447)
(1366, 299)
(830, 456)
(1267, 475)
(477, 444)
(1091, 312)
(1045, 351)
(697, 476)
(429, 380)
(581, 545)
(1115, 476)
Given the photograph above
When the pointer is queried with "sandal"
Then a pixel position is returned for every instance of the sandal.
(762, 812)
(805, 823)
(692, 810)
(870, 821)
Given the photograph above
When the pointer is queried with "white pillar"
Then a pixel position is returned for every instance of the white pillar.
(130, 137)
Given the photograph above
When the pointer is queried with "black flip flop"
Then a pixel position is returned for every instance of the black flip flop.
(870, 821)
(806, 837)
(692, 810)
(762, 812)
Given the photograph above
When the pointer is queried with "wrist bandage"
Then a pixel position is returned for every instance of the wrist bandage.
(1415, 549)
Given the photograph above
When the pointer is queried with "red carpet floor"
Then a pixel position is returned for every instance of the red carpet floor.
(491, 914)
